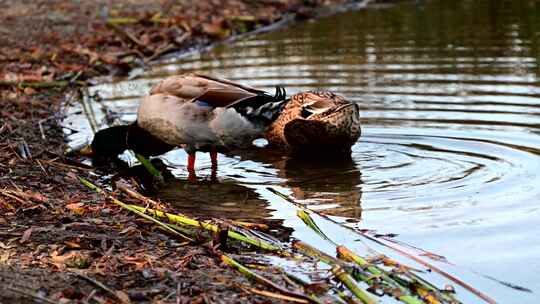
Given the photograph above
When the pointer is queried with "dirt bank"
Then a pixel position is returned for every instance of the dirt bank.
(59, 241)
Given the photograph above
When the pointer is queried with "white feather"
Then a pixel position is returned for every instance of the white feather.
(178, 122)
(232, 129)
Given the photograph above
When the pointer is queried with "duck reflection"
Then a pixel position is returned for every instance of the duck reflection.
(328, 183)
(204, 198)
(216, 199)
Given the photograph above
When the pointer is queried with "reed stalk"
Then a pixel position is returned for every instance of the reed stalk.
(424, 286)
(148, 166)
(403, 296)
(337, 270)
(132, 209)
(187, 221)
(302, 298)
(351, 284)
(183, 220)
(306, 218)
(404, 288)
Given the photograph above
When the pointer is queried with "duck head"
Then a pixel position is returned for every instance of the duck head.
(316, 121)
(110, 142)
(113, 141)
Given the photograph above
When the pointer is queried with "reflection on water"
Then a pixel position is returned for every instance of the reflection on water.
(321, 182)
(450, 151)
(211, 199)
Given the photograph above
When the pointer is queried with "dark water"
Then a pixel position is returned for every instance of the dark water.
(449, 158)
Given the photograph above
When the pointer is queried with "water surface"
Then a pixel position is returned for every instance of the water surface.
(449, 158)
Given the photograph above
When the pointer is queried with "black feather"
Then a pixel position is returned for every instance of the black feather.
(262, 108)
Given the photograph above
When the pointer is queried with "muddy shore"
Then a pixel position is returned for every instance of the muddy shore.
(59, 241)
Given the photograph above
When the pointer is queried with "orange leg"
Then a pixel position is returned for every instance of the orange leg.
(213, 159)
(191, 167)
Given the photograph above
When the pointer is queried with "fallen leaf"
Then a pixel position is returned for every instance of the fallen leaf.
(4, 246)
(123, 296)
(29, 91)
(215, 30)
(26, 235)
(72, 245)
(4, 257)
(77, 208)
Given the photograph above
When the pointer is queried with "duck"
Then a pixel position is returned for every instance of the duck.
(316, 122)
(196, 112)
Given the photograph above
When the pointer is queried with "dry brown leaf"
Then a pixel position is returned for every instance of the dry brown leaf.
(215, 30)
(77, 208)
(26, 235)
(123, 296)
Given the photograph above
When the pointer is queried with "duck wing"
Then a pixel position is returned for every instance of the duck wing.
(255, 105)
(213, 91)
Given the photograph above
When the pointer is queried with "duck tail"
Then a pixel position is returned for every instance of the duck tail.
(264, 108)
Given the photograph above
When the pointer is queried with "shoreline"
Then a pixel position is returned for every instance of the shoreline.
(53, 225)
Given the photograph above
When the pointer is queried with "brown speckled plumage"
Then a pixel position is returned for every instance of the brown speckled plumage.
(319, 119)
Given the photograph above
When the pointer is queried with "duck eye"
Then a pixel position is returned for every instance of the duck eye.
(306, 113)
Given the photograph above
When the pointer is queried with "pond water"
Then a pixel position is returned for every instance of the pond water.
(449, 158)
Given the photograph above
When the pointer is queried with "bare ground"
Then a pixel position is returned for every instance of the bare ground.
(59, 241)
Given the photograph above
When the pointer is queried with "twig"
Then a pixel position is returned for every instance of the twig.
(42, 168)
(101, 285)
(40, 124)
(6, 193)
(35, 85)
(120, 21)
(129, 36)
(136, 195)
(273, 295)
(61, 165)
(31, 294)
(161, 51)
(262, 280)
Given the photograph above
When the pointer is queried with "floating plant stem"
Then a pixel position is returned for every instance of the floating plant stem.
(148, 166)
(301, 298)
(403, 292)
(452, 278)
(446, 296)
(404, 296)
(348, 281)
(184, 220)
(302, 214)
(133, 209)
(337, 270)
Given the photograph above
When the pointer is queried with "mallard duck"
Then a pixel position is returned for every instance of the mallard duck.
(316, 119)
(196, 112)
